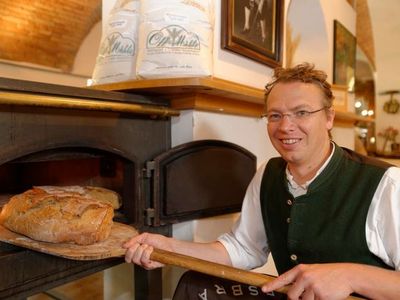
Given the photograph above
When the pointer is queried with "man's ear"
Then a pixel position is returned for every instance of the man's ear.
(330, 118)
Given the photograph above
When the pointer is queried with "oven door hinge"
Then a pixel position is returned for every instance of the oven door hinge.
(150, 166)
(149, 214)
(149, 211)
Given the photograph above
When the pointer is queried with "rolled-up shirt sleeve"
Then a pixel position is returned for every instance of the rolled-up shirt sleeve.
(383, 220)
(247, 243)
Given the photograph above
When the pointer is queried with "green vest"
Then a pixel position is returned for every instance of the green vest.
(328, 223)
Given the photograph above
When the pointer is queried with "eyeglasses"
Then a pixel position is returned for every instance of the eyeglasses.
(297, 116)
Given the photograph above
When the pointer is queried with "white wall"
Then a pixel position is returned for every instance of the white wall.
(312, 33)
(40, 74)
(85, 58)
(248, 132)
(386, 31)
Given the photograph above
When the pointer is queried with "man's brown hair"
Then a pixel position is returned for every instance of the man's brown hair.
(306, 73)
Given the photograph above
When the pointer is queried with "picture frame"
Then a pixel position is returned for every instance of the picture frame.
(344, 56)
(340, 94)
(253, 29)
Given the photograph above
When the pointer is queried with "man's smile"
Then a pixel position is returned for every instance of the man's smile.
(290, 141)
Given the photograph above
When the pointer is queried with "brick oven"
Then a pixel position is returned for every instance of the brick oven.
(57, 135)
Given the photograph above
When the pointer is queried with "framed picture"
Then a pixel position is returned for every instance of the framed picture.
(340, 94)
(344, 62)
(253, 28)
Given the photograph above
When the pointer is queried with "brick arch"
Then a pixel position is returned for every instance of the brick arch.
(365, 37)
(46, 32)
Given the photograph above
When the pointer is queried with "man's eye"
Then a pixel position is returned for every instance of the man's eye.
(301, 113)
(274, 117)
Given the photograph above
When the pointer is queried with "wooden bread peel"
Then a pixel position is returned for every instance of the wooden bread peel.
(112, 247)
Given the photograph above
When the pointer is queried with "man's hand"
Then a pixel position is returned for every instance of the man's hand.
(139, 249)
(315, 281)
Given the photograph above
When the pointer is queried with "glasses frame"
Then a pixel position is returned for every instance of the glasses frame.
(297, 115)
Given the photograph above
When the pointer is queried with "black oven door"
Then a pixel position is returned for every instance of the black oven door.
(198, 179)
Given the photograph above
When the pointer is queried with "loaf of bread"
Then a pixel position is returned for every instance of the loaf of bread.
(58, 217)
(94, 192)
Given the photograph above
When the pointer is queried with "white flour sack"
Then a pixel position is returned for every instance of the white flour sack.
(175, 38)
(116, 60)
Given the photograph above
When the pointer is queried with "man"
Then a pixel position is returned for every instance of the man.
(330, 217)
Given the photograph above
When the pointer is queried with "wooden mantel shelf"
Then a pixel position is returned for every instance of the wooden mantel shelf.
(200, 93)
(210, 94)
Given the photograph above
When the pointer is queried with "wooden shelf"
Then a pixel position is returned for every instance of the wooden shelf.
(210, 94)
(348, 119)
(199, 93)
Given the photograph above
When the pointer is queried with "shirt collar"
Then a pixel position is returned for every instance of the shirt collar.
(293, 184)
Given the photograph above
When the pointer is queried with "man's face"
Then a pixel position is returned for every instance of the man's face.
(299, 140)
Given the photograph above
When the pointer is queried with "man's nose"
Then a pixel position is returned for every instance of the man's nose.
(286, 121)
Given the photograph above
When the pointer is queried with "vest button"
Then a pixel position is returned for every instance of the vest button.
(288, 220)
(293, 257)
(289, 202)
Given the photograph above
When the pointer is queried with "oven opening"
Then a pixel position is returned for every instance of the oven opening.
(72, 166)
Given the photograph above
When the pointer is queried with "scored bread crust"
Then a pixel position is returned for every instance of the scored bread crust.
(95, 192)
(58, 218)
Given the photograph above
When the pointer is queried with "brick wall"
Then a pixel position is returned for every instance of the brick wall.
(45, 32)
(365, 37)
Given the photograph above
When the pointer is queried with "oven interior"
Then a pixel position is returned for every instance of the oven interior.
(72, 166)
